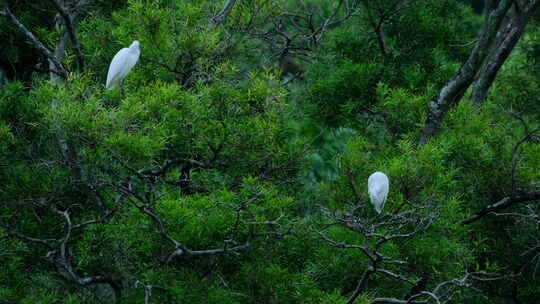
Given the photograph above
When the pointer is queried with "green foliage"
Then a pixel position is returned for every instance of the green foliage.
(343, 91)
(422, 53)
(204, 149)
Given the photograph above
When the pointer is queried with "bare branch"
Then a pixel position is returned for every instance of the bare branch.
(102, 219)
(377, 231)
(148, 290)
(59, 254)
(61, 259)
(274, 222)
(179, 252)
(179, 248)
(394, 301)
(505, 203)
(395, 276)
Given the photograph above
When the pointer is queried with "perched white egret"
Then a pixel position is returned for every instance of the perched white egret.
(121, 64)
(378, 190)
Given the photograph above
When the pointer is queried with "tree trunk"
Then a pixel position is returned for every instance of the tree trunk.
(380, 40)
(504, 24)
(220, 17)
(69, 28)
(508, 37)
(452, 92)
(59, 55)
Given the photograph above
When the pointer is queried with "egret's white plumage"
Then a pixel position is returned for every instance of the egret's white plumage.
(378, 190)
(121, 64)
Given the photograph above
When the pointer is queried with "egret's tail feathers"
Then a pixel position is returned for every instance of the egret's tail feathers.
(111, 84)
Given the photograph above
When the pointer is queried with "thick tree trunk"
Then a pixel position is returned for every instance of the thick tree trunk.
(507, 39)
(452, 92)
(504, 24)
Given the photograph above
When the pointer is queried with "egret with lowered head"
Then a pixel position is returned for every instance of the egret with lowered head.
(121, 64)
(378, 190)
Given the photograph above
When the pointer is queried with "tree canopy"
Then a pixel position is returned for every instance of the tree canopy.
(233, 165)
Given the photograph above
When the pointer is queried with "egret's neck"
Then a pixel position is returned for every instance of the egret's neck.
(135, 50)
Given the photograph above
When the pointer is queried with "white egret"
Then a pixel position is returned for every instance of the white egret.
(121, 64)
(378, 190)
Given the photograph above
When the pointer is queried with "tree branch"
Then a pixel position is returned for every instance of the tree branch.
(38, 44)
(505, 203)
(395, 301)
(59, 254)
(61, 259)
(217, 251)
(220, 17)
(70, 28)
(508, 36)
(456, 87)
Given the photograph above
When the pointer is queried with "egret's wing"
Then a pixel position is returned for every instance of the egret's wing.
(382, 192)
(131, 61)
(378, 187)
(117, 65)
(375, 201)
